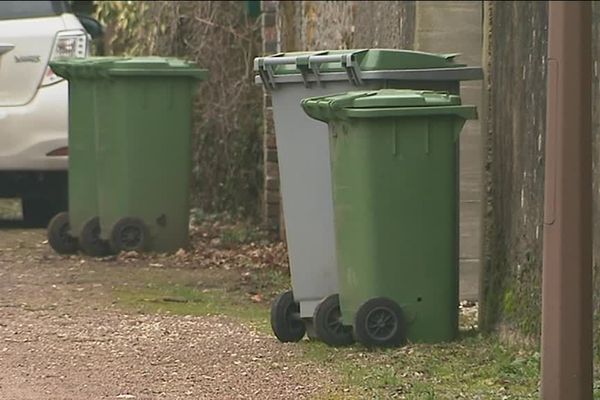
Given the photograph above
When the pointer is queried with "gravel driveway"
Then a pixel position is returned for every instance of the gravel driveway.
(62, 337)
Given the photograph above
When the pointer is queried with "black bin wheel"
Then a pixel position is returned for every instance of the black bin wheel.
(328, 324)
(380, 322)
(285, 318)
(59, 236)
(129, 234)
(89, 239)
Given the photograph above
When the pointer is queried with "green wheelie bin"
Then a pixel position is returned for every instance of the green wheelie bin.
(79, 227)
(394, 165)
(144, 133)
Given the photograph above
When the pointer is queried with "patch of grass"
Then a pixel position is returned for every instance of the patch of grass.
(240, 233)
(474, 367)
(216, 294)
(184, 300)
(10, 209)
(269, 282)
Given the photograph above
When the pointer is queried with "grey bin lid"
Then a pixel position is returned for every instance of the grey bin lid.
(359, 65)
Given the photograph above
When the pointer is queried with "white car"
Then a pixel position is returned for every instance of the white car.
(34, 103)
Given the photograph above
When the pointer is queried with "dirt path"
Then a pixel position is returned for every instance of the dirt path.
(62, 337)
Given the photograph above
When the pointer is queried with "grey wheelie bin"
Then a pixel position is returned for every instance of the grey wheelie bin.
(304, 161)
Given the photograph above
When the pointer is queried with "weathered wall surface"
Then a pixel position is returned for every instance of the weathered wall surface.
(384, 24)
(271, 198)
(516, 103)
(426, 25)
(312, 25)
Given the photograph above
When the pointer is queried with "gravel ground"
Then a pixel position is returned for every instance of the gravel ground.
(62, 337)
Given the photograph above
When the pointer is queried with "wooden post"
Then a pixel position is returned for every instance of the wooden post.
(567, 271)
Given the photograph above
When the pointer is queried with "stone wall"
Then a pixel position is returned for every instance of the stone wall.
(271, 198)
(515, 105)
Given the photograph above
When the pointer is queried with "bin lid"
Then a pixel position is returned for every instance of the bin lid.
(367, 60)
(357, 65)
(390, 98)
(101, 67)
(386, 103)
(79, 67)
(155, 66)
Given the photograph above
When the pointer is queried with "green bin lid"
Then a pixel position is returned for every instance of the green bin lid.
(386, 103)
(102, 67)
(155, 66)
(369, 60)
(80, 67)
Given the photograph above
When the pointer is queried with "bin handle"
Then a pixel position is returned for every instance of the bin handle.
(264, 66)
(347, 60)
(450, 56)
(308, 64)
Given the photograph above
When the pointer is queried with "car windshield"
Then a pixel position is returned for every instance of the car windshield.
(31, 9)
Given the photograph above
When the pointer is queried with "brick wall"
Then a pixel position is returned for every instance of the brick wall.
(271, 197)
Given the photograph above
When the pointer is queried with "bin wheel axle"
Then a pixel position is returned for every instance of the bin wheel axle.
(379, 322)
(59, 236)
(285, 318)
(311, 333)
(328, 324)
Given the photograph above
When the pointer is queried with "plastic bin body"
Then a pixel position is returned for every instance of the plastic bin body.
(305, 185)
(303, 145)
(82, 171)
(395, 184)
(144, 110)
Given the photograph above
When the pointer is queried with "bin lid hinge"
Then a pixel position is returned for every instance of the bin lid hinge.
(352, 69)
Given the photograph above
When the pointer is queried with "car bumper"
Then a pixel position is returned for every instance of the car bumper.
(28, 133)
